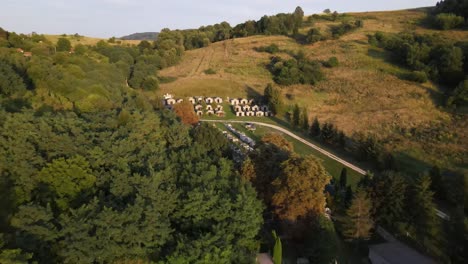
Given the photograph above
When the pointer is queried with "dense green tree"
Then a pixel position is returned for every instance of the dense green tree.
(63, 44)
(452, 6)
(66, 179)
(314, 35)
(298, 70)
(112, 170)
(359, 223)
(459, 97)
(368, 148)
(298, 16)
(321, 243)
(12, 256)
(270, 153)
(457, 236)
(448, 21)
(449, 61)
(11, 82)
(210, 138)
(389, 196)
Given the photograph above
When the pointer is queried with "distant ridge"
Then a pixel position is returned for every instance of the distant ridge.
(141, 36)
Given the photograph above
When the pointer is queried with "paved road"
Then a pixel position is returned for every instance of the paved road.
(285, 131)
(324, 152)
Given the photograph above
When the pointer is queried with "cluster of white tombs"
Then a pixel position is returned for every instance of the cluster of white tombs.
(242, 106)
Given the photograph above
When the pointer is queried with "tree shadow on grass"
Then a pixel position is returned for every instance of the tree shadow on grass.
(383, 55)
(253, 94)
(411, 165)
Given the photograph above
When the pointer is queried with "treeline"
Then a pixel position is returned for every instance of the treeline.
(430, 57)
(336, 31)
(280, 24)
(82, 77)
(449, 14)
(102, 188)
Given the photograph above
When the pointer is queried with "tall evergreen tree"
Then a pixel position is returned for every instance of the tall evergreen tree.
(327, 134)
(274, 99)
(437, 185)
(341, 139)
(359, 223)
(424, 219)
(305, 119)
(296, 116)
(389, 195)
(315, 128)
(348, 197)
(343, 178)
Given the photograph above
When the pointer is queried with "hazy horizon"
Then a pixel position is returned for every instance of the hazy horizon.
(107, 18)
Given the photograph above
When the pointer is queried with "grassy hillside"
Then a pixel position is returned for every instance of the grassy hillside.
(366, 93)
(85, 40)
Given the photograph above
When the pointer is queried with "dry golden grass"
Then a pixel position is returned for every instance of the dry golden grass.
(364, 94)
(87, 40)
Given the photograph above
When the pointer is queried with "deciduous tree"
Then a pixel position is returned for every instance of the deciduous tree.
(186, 113)
(300, 188)
(63, 44)
(274, 99)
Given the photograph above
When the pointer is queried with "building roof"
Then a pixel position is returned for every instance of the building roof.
(398, 253)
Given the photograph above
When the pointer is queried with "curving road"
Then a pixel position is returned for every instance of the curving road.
(287, 132)
(324, 152)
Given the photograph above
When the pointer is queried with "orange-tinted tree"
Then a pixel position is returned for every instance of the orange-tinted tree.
(278, 140)
(186, 113)
(300, 188)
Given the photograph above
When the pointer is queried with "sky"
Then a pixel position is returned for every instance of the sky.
(107, 18)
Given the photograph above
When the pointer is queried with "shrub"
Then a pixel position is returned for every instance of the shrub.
(331, 63)
(417, 76)
(210, 71)
(459, 97)
(167, 79)
(295, 71)
(314, 35)
(150, 84)
(272, 49)
(448, 21)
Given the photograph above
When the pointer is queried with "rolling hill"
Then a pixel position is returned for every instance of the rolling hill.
(365, 94)
(141, 36)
